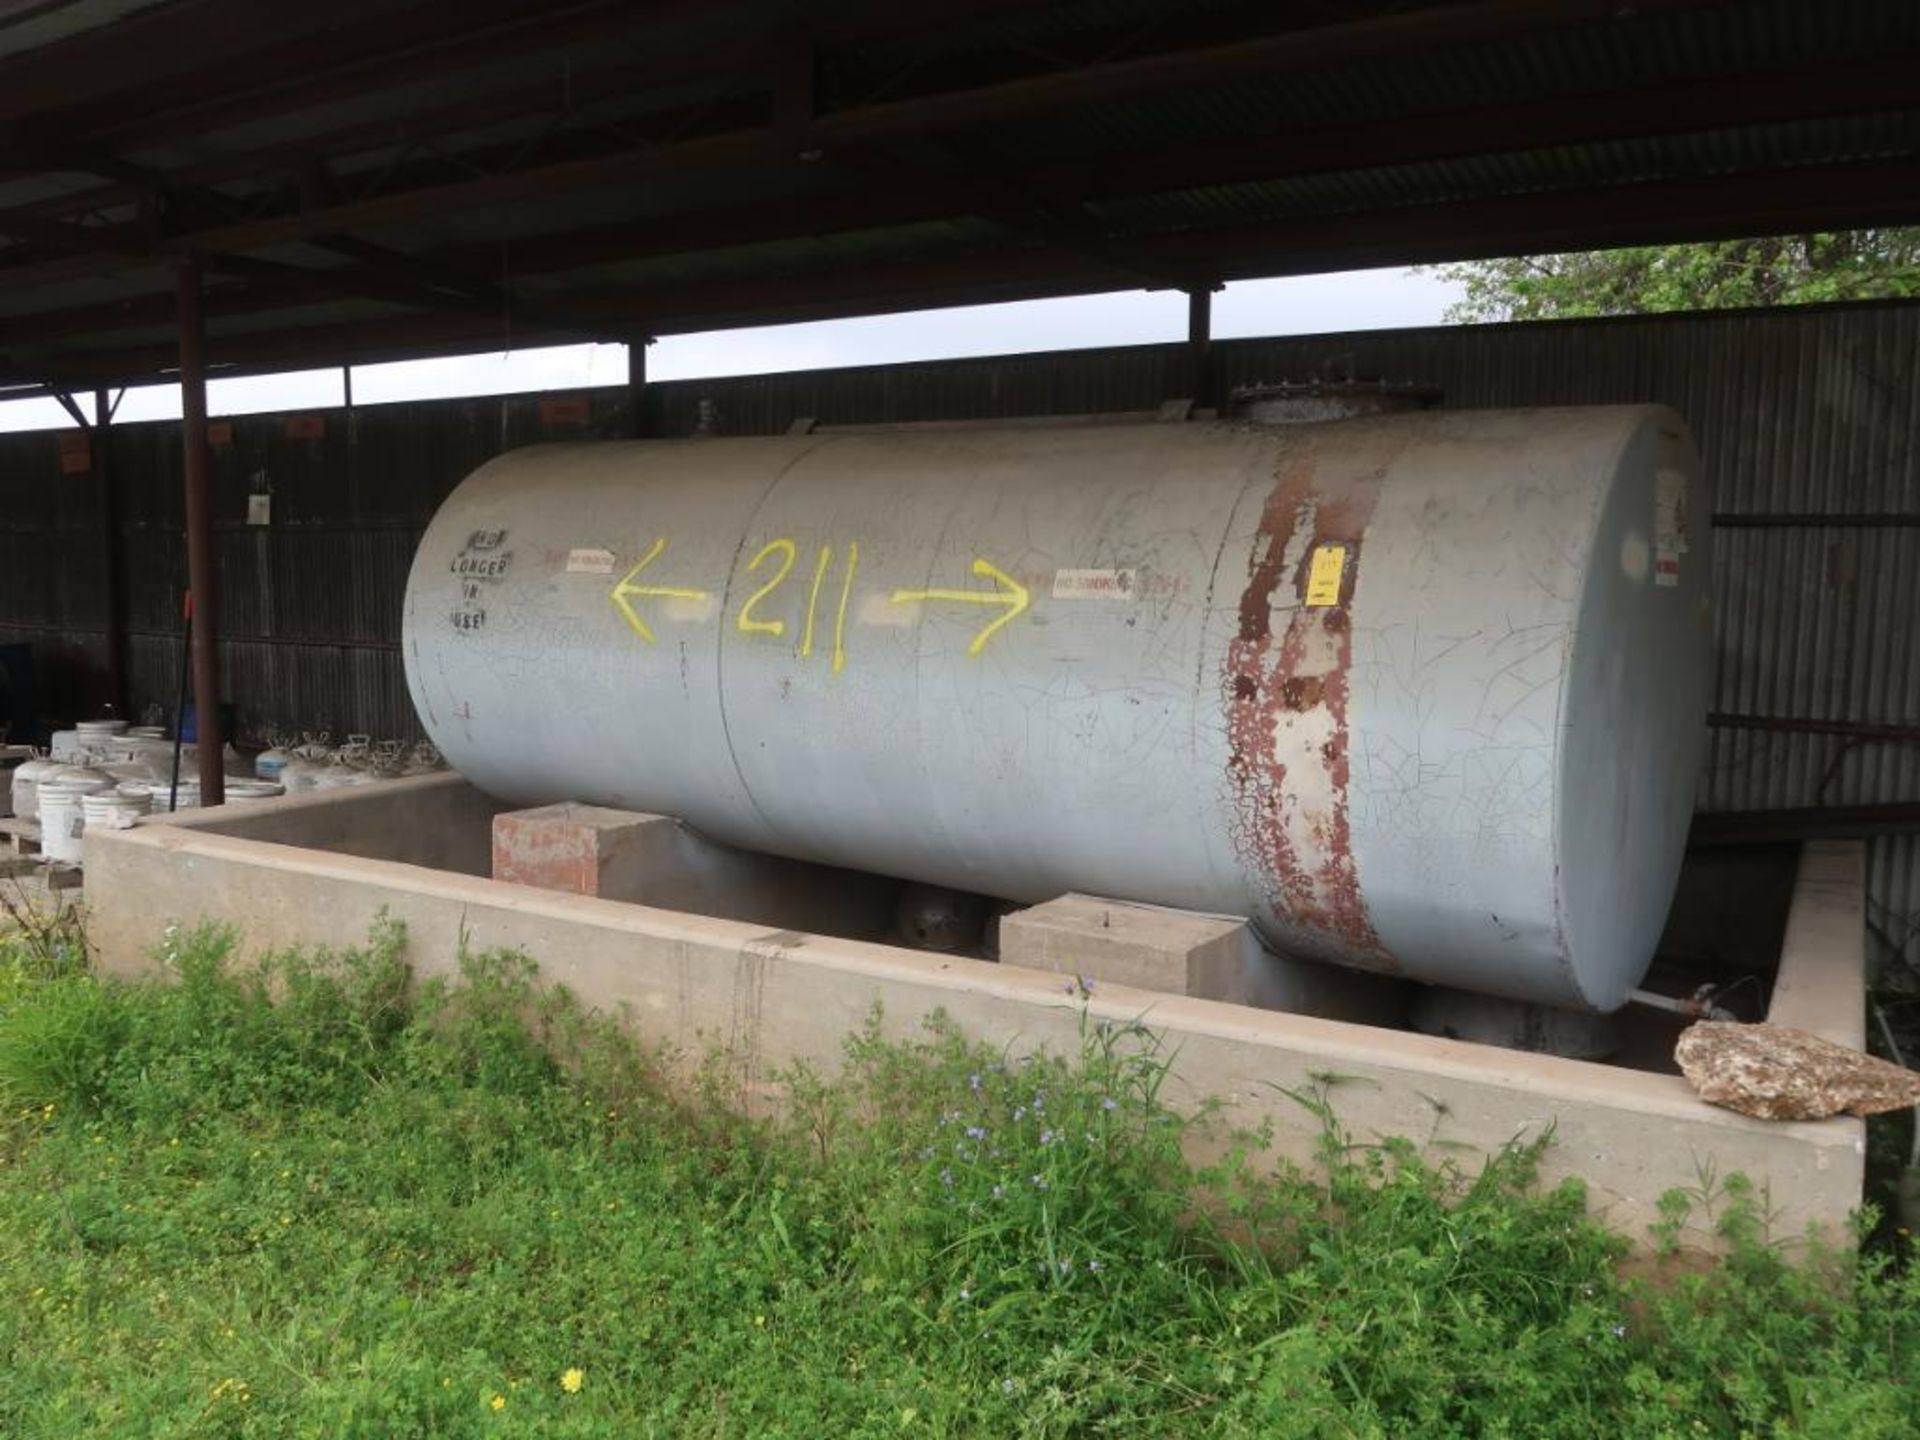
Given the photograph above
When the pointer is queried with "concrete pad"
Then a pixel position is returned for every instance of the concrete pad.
(1185, 952)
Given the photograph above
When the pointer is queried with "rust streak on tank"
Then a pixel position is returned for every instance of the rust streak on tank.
(1291, 798)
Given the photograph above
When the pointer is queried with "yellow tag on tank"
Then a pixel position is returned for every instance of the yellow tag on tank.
(1324, 575)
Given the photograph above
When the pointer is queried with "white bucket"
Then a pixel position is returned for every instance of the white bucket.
(62, 821)
(162, 793)
(254, 789)
(26, 786)
(114, 809)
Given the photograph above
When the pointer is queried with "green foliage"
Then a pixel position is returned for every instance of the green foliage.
(319, 1200)
(1720, 275)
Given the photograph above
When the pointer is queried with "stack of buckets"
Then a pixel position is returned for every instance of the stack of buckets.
(73, 797)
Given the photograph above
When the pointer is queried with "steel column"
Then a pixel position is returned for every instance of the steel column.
(112, 590)
(1200, 343)
(638, 426)
(203, 561)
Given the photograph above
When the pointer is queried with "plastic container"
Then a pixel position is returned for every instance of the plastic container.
(270, 764)
(62, 820)
(26, 785)
(248, 790)
(114, 809)
(83, 778)
(161, 792)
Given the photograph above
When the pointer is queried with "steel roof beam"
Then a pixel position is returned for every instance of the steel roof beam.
(192, 67)
(1668, 107)
(346, 53)
(1290, 49)
(1876, 192)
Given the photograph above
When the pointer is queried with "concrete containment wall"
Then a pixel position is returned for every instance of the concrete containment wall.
(438, 821)
(773, 997)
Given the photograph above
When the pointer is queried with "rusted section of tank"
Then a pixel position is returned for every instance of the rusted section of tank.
(1286, 692)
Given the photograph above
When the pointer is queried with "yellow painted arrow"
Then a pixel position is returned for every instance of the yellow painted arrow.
(1007, 593)
(626, 592)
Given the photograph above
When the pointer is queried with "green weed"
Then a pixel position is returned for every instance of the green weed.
(316, 1198)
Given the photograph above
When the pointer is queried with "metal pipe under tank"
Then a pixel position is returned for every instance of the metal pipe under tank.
(1420, 694)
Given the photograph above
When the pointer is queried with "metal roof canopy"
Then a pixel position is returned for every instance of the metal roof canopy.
(374, 179)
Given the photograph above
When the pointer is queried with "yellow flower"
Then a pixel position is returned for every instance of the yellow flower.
(499, 1402)
(572, 1380)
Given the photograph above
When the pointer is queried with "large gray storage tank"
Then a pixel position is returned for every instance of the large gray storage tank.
(1420, 694)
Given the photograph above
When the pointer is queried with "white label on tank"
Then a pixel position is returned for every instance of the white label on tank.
(589, 562)
(1669, 526)
(1093, 585)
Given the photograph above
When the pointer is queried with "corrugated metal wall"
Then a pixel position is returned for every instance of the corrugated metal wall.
(310, 605)
(1803, 413)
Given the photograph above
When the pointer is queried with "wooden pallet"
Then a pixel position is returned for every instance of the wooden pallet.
(19, 837)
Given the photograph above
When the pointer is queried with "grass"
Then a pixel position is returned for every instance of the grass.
(324, 1200)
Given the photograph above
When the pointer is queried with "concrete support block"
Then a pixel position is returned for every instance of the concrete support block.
(1184, 952)
(581, 849)
(656, 860)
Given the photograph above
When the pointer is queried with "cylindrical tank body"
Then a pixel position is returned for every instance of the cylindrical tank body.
(1421, 694)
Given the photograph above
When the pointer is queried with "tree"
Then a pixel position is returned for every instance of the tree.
(1719, 275)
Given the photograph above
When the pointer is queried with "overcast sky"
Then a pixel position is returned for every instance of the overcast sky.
(1352, 300)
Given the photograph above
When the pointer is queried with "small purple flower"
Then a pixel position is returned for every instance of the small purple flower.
(976, 1132)
(1066, 1267)
(973, 1082)
(1107, 1102)
(965, 1294)
(999, 1192)
(927, 1154)
(1095, 1266)
(946, 1178)
(1019, 1112)
(1006, 1387)
(1039, 1182)
(1047, 1137)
